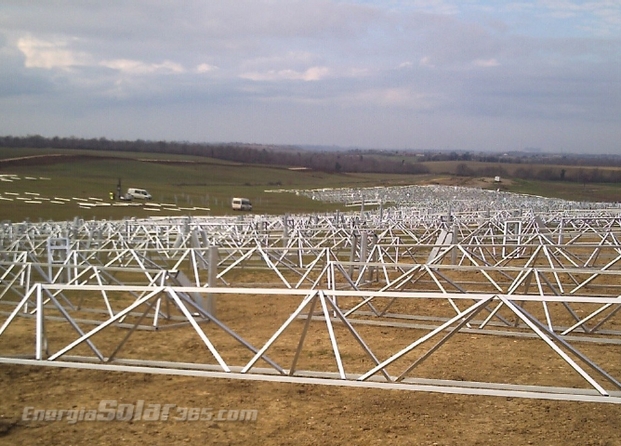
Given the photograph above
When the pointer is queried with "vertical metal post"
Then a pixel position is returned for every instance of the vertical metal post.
(363, 248)
(352, 254)
(285, 230)
(50, 260)
(373, 269)
(39, 342)
(210, 306)
(194, 238)
(454, 250)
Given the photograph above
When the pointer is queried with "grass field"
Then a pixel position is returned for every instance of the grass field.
(203, 186)
(186, 182)
(600, 192)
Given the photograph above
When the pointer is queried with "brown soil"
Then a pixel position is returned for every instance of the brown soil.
(291, 414)
(299, 414)
(480, 182)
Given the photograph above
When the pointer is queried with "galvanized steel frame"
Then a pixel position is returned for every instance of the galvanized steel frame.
(562, 263)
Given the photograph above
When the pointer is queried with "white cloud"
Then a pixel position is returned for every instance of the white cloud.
(49, 54)
(311, 74)
(426, 62)
(55, 54)
(390, 97)
(139, 67)
(205, 68)
(598, 17)
(287, 60)
(486, 63)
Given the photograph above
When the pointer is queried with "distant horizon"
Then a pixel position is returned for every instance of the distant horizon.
(527, 150)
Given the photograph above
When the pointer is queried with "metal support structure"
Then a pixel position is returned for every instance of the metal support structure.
(542, 270)
(211, 280)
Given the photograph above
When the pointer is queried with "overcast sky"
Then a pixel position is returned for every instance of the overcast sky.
(419, 74)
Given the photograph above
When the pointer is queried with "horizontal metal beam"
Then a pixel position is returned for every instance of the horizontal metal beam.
(448, 387)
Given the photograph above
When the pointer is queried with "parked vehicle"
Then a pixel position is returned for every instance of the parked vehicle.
(138, 194)
(241, 204)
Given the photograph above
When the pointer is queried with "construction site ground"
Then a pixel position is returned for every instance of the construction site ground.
(303, 414)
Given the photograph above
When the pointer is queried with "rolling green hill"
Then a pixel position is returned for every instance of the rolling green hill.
(57, 184)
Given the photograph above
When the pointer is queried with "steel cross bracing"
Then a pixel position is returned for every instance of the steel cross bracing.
(353, 356)
(428, 278)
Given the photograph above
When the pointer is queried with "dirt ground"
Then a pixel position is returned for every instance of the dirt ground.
(300, 414)
(478, 182)
(291, 414)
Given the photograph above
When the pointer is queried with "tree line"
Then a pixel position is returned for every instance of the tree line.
(286, 156)
(524, 165)
(543, 173)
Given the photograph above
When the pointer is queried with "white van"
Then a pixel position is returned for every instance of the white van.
(241, 204)
(139, 194)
